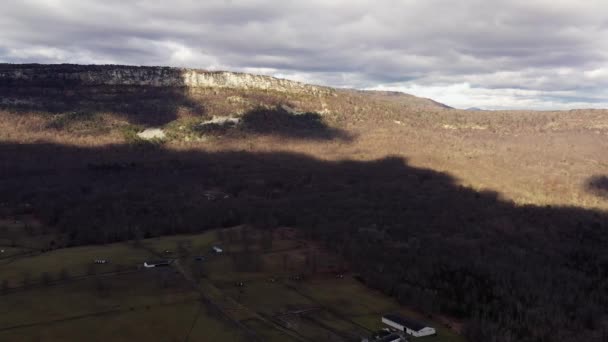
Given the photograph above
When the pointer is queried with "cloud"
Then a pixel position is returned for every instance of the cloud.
(463, 95)
(505, 53)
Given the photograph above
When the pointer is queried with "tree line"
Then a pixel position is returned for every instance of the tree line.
(512, 272)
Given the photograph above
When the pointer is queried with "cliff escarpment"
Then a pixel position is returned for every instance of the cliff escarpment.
(118, 75)
(148, 95)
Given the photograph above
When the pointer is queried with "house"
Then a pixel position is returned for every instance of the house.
(408, 326)
(217, 249)
(157, 263)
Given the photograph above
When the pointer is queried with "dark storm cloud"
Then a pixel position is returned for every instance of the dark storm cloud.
(535, 53)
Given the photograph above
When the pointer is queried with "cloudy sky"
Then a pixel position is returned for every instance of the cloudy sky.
(539, 54)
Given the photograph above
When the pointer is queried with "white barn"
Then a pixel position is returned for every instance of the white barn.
(408, 326)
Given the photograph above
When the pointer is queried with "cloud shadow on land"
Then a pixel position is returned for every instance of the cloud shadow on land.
(412, 233)
(144, 105)
(278, 122)
(598, 185)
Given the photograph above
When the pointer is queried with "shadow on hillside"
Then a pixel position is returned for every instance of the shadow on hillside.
(140, 105)
(280, 122)
(410, 232)
(598, 185)
(275, 122)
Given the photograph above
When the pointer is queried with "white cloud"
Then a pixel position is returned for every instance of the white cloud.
(462, 95)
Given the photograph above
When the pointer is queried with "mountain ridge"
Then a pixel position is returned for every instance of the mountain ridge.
(164, 76)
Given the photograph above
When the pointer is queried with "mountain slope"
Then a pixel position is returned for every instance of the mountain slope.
(96, 105)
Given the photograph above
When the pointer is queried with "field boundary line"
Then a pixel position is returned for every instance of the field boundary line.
(93, 314)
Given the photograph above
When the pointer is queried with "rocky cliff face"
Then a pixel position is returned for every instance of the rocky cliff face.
(116, 75)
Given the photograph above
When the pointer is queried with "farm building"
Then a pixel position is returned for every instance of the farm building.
(157, 263)
(408, 326)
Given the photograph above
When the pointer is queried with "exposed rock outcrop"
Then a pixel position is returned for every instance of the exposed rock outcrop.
(114, 75)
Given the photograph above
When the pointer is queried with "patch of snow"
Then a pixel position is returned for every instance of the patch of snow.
(195, 139)
(222, 120)
(152, 133)
(289, 109)
(464, 126)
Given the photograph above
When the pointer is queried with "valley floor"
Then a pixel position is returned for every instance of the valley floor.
(279, 288)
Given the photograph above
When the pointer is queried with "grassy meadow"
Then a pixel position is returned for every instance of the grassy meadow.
(65, 296)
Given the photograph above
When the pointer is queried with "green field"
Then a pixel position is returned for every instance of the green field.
(125, 307)
(76, 261)
(165, 323)
(62, 295)
(340, 307)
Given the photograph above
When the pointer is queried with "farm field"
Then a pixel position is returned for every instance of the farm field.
(203, 296)
(299, 286)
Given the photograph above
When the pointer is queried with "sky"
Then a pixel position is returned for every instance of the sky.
(498, 54)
